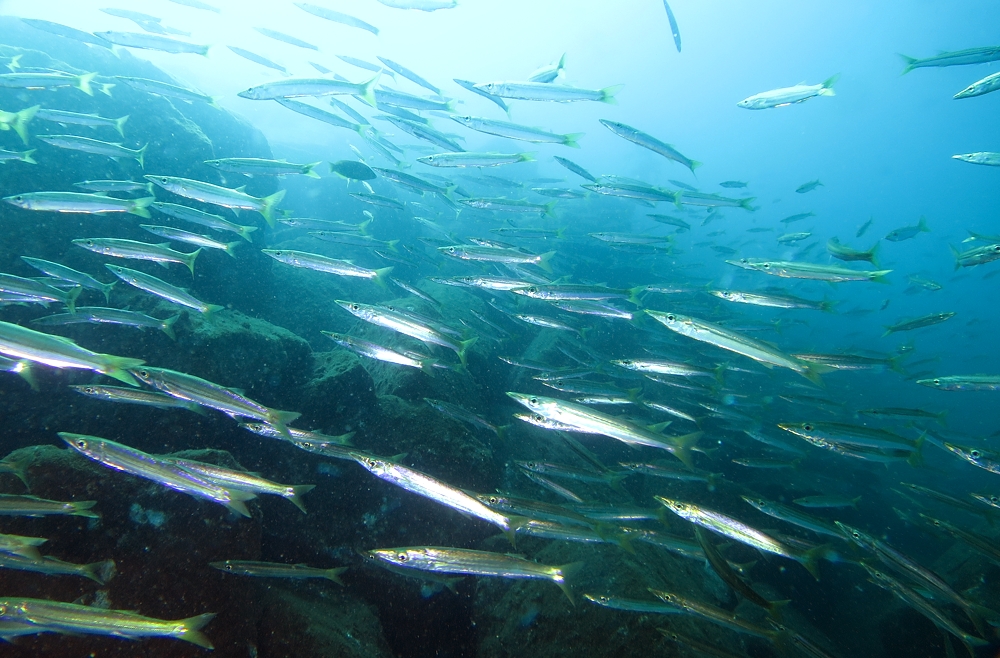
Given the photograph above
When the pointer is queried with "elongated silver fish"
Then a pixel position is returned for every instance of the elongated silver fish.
(517, 131)
(132, 249)
(102, 315)
(636, 136)
(136, 396)
(545, 91)
(203, 218)
(319, 263)
(77, 119)
(262, 167)
(112, 150)
(140, 464)
(788, 95)
(77, 202)
(167, 90)
(243, 481)
(297, 87)
(151, 42)
(220, 196)
(277, 570)
(161, 288)
(196, 239)
(11, 505)
(406, 324)
(474, 159)
(476, 563)
(43, 80)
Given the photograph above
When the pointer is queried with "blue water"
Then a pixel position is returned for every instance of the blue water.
(881, 146)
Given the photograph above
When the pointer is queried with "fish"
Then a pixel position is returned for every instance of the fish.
(729, 576)
(60, 271)
(827, 502)
(242, 481)
(813, 271)
(13, 505)
(588, 421)
(907, 232)
(109, 185)
(794, 516)
(42, 616)
(976, 255)
(510, 205)
(674, 30)
(517, 131)
(385, 354)
(918, 323)
(464, 415)
(277, 570)
(53, 80)
(664, 367)
(132, 249)
(644, 140)
(61, 30)
(208, 394)
(140, 464)
(963, 383)
(738, 531)
(99, 572)
(167, 90)
(421, 5)
(498, 255)
(219, 196)
(474, 159)
(135, 396)
(203, 218)
(257, 59)
(544, 91)
(18, 122)
(406, 324)
(161, 288)
(17, 156)
(286, 38)
(318, 114)
(78, 202)
(477, 563)
(734, 342)
(808, 187)
(843, 252)
(262, 167)
(957, 58)
(409, 75)
(471, 86)
(196, 239)
(336, 17)
(791, 238)
(151, 42)
(317, 87)
(772, 300)
(74, 118)
(101, 315)
(717, 616)
(980, 87)
(733, 184)
(319, 263)
(864, 227)
(985, 459)
(58, 352)
(797, 217)
(632, 605)
(575, 168)
(988, 158)
(788, 95)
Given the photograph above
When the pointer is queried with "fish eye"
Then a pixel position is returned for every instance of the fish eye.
(532, 289)
(671, 317)
(995, 499)
(539, 417)
(355, 307)
(807, 427)
(494, 500)
(81, 444)
(767, 266)
(975, 454)
(143, 373)
(90, 242)
(533, 401)
(451, 250)
(856, 534)
(402, 557)
(229, 567)
(89, 389)
(937, 382)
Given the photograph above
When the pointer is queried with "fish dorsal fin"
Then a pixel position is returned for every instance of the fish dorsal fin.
(241, 188)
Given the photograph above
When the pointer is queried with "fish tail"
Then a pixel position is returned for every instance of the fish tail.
(774, 609)
(106, 88)
(295, 493)
(570, 140)
(683, 446)
(525, 157)
(879, 276)
(633, 293)
(118, 367)
(810, 559)
(922, 225)
(280, 418)
(120, 125)
(428, 366)
(367, 91)
(501, 431)
(380, 276)
(745, 203)
(26, 157)
(916, 458)
(231, 246)
(828, 306)
(560, 232)
(203, 51)
(14, 63)
(910, 63)
(873, 254)
(812, 371)
(608, 94)
(83, 83)
(21, 120)
(212, 308)
(71, 296)
(827, 88)
(363, 227)
(548, 209)
(562, 574)
(942, 418)
(308, 169)
(269, 203)
(678, 199)
(694, 164)
(20, 470)
(139, 206)
(190, 630)
(99, 572)
(167, 326)
(106, 289)
(213, 102)
(82, 508)
(392, 246)
(543, 261)
(334, 575)
(464, 345)
(141, 156)
(189, 259)
(245, 231)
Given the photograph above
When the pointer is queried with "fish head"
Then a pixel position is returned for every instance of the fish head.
(757, 503)
(428, 159)
(120, 272)
(855, 535)
(489, 87)
(362, 311)
(465, 121)
(18, 200)
(933, 383)
(989, 499)
(532, 402)
(162, 181)
(671, 321)
(599, 600)
(397, 556)
(538, 420)
(146, 375)
(91, 446)
(375, 465)
(676, 506)
(493, 500)
(976, 456)
(251, 93)
(728, 295)
(534, 467)
(747, 103)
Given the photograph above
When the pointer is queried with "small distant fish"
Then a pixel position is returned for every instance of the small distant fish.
(167, 90)
(798, 217)
(988, 158)
(788, 95)
(474, 159)
(136, 396)
(733, 184)
(907, 232)
(865, 227)
(47, 81)
(101, 315)
(827, 502)
(575, 168)
(902, 412)
(924, 321)
(203, 218)
(13, 505)
(409, 75)
(60, 271)
(543, 91)
(422, 5)
(808, 187)
(286, 38)
(257, 59)
(197, 4)
(277, 570)
(791, 238)
(112, 150)
(336, 17)
(956, 58)
(843, 252)
(296, 87)
(262, 167)
(816, 272)
(152, 42)
(161, 288)
(674, 30)
(121, 248)
(636, 136)
(319, 263)
(516, 131)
